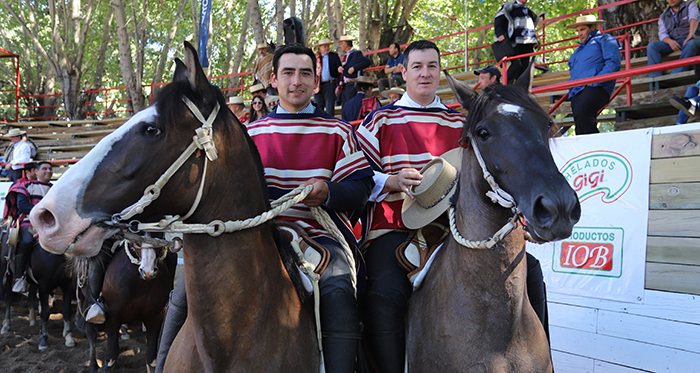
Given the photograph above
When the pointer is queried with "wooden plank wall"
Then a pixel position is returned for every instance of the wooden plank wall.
(661, 334)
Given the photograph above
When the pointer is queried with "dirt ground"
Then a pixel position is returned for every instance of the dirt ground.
(19, 352)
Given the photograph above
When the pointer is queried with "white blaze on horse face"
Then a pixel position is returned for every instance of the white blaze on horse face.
(510, 109)
(148, 263)
(58, 233)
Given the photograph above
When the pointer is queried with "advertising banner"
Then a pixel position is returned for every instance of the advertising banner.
(605, 255)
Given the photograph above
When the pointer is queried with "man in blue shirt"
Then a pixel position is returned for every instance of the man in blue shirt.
(328, 61)
(598, 54)
(392, 69)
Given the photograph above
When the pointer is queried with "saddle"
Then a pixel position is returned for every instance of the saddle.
(414, 253)
(313, 252)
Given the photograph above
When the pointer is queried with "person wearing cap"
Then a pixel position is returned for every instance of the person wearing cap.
(237, 106)
(597, 54)
(392, 69)
(393, 94)
(489, 75)
(327, 64)
(300, 144)
(363, 103)
(353, 64)
(20, 153)
(678, 31)
(263, 67)
(399, 139)
(514, 28)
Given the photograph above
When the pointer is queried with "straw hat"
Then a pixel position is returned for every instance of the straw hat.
(262, 45)
(432, 196)
(235, 100)
(585, 20)
(364, 80)
(256, 88)
(397, 90)
(14, 132)
(324, 41)
(346, 38)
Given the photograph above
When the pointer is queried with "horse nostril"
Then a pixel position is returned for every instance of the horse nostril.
(47, 219)
(576, 211)
(544, 212)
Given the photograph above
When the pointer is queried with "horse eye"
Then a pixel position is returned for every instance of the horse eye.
(153, 131)
(483, 133)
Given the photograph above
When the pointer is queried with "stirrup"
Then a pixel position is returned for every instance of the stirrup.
(20, 285)
(96, 313)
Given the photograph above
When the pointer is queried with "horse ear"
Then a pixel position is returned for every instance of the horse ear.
(525, 79)
(195, 74)
(465, 95)
(180, 71)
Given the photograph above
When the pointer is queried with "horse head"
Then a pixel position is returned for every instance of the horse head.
(131, 173)
(511, 132)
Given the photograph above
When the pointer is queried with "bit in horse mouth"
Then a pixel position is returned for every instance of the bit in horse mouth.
(75, 240)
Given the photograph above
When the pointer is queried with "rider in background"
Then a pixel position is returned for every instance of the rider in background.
(21, 198)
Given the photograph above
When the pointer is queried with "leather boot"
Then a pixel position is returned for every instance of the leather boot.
(340, 324)
(174, 319)
(384, 320)
(536, 291)
(96, 313)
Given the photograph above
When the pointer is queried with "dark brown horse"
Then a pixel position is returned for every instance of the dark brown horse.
(472, 313)
(132, 292)
(244, 311)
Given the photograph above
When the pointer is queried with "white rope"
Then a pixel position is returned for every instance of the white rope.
(128, 253)
(484, 244)
(496, 194)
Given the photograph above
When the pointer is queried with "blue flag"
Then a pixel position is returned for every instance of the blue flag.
(204, 20)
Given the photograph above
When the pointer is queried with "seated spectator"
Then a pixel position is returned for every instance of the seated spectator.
(489, 75)
(688, 105)
(263, 68)
(363, 103)
(393, 94)
(353, 64)
(677, 32)
(237, 106)
(514, 28)
(392, 69)
(258, 109)
(597, 54)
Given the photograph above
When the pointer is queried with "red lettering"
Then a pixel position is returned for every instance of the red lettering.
(587, 255)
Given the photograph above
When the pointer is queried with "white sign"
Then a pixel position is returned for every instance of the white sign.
(4, 187)
(605, 255)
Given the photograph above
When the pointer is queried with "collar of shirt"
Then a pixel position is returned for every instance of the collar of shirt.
(309, 109)
(592, 34)
(406, 101)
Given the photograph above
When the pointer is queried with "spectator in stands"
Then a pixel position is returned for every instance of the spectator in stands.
(21, 153)
(688, 105)
(488, 75)
(237, 106)
(392, 69)
(30, 170)
(270, 100)
(263, 67)
(393, 94)
(514, 27)
(327, 64)
(258, 108)
(597, 54)
(363, 103)
(353, 64)
(678, 26)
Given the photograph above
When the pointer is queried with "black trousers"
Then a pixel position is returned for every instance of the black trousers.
(349, 91)
(519, 66)
(585, 106)
(325, 98)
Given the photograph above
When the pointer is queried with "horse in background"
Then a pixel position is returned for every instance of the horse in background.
(136, 287)
(245, 311)
(471, 313)
(50, 272)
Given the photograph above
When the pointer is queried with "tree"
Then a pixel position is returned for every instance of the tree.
(131, 78)
(632, 13)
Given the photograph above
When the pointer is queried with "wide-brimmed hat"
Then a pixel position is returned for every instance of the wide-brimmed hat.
(585, 20)
(363, 79)
(235, 100)
(256, 88)
(397, 90)
(262, 45)
(14, 132)
(324, 41)
(346, 38)
(432, 197)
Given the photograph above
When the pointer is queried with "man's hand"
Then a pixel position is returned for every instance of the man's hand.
(690, 37)
(318, 195)
(340, 69)
(351, 70)
(403, 181)
(673, 44)
(7, 166)
(501, 38)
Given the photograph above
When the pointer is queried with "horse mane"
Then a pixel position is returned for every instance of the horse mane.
(494, 95)
(172, 93)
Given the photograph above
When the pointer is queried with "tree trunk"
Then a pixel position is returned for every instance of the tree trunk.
(293, 8)
(160, 69)
(280, 21)
(362, 42)
(339, 19)
(134, 89)
(195, 20)
(240, 50)
(632, 13)
(332, 25)
(256, 21)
